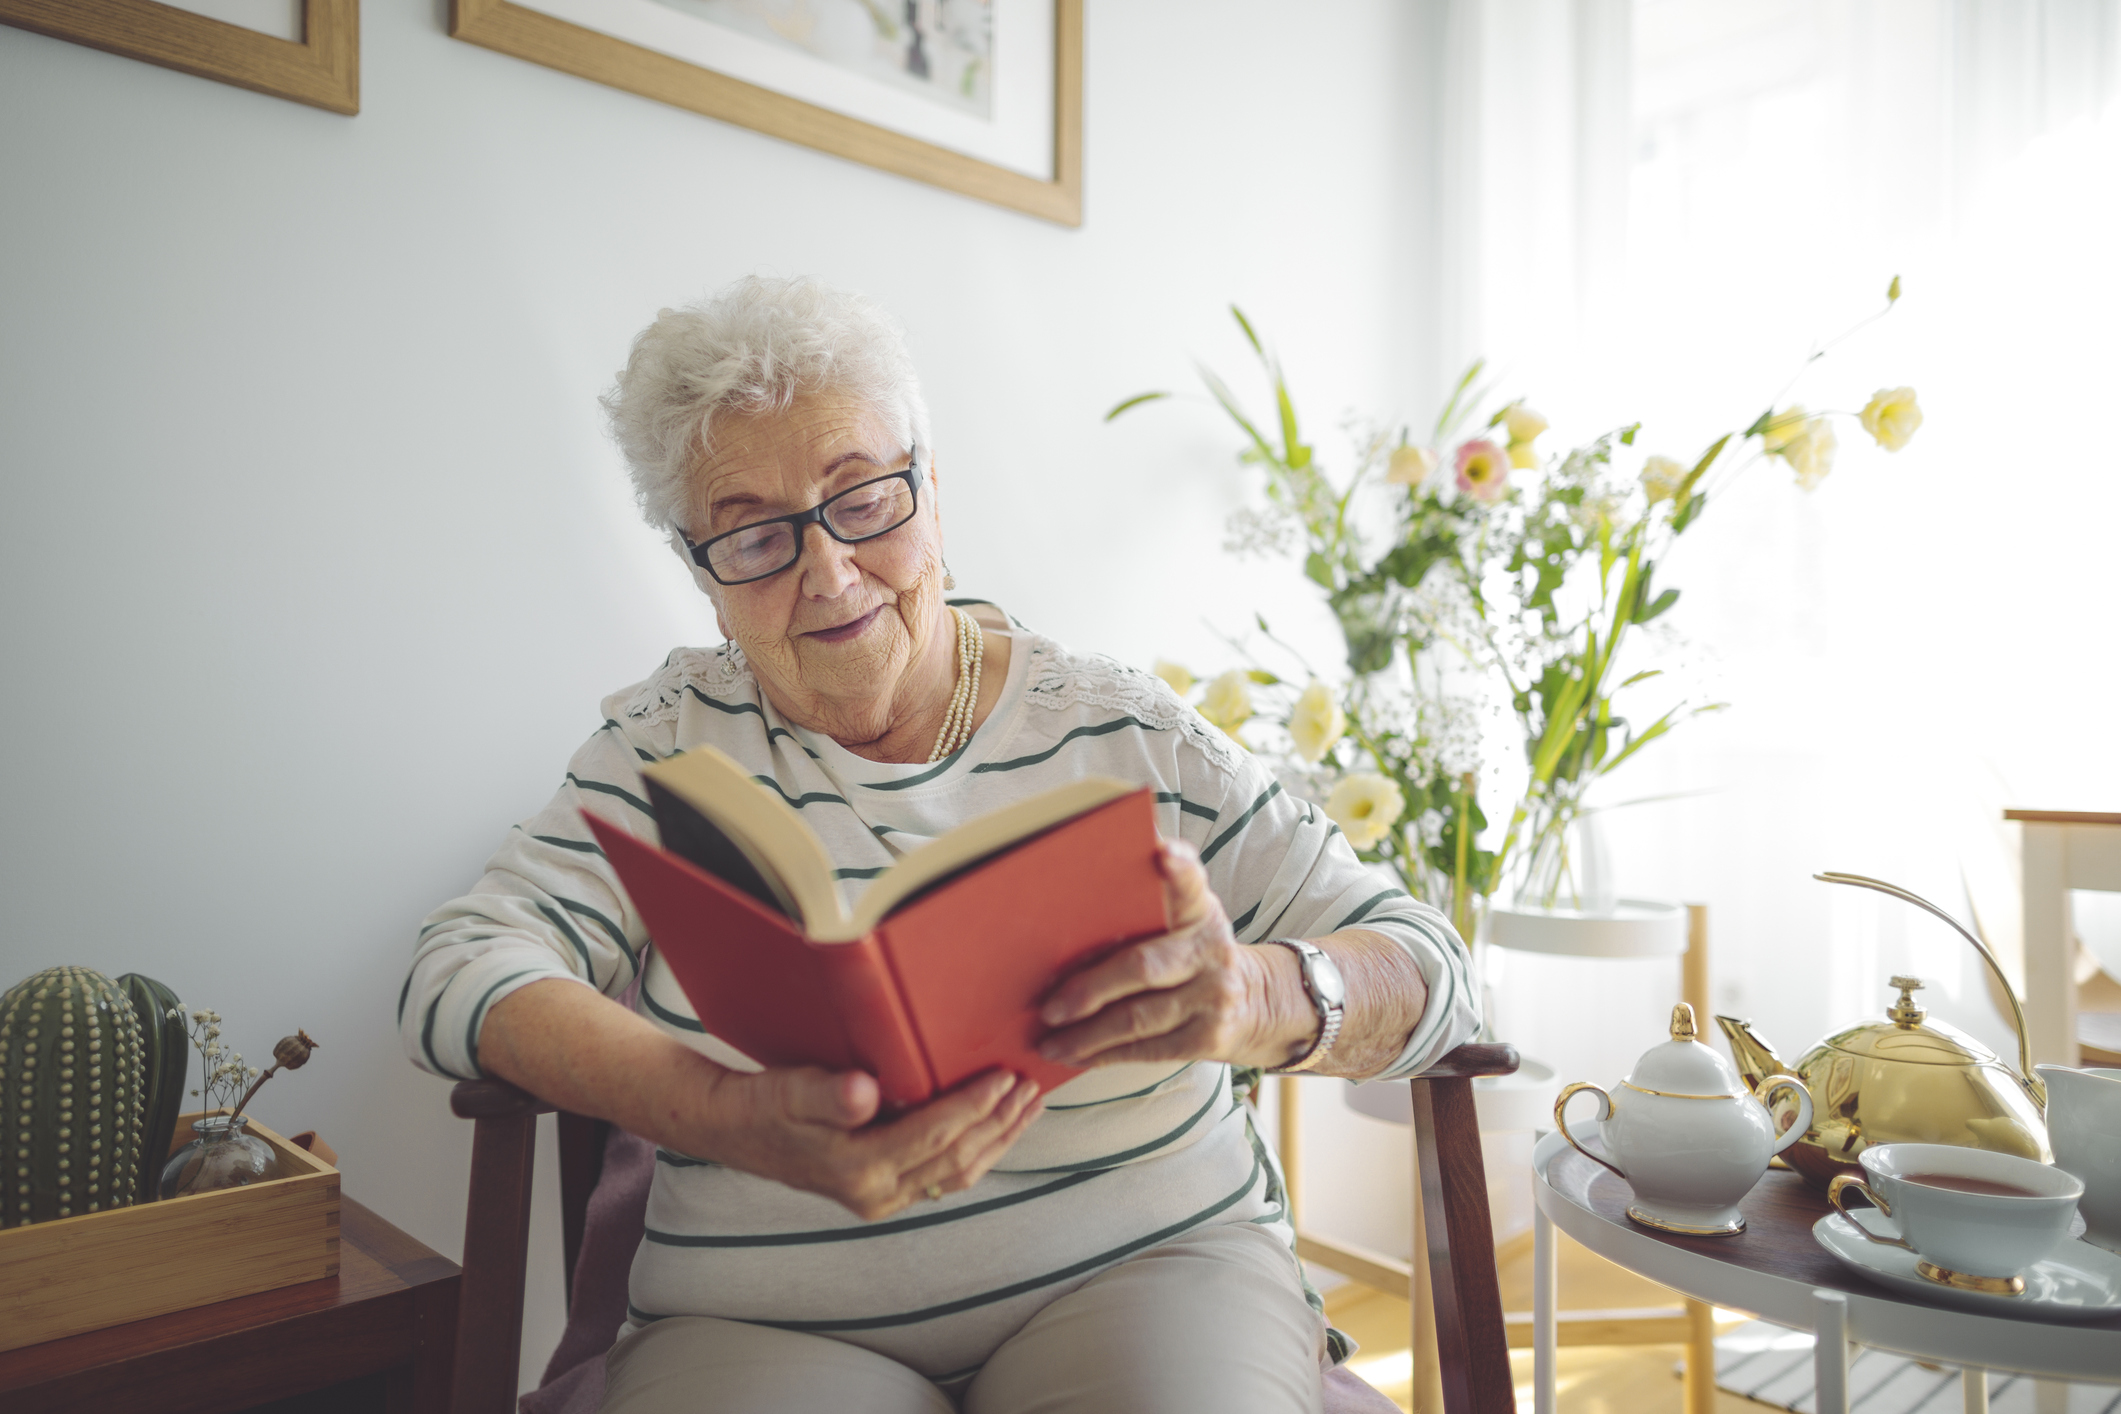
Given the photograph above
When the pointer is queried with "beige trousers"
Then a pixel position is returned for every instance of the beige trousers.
(1212, 1320)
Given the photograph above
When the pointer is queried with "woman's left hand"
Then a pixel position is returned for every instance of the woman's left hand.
(1195, 993)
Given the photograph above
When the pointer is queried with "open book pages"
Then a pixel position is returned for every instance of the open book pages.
(772, 838)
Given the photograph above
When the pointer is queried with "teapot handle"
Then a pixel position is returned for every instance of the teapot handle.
(1766, 1088)
(1605, 1112)
(2034, 1085)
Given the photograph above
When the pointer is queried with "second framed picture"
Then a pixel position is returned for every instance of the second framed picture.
(983, 97)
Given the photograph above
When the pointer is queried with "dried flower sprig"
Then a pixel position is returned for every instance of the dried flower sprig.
(223, 1071)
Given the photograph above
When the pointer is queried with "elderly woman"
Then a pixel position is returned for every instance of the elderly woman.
(1117, 1244)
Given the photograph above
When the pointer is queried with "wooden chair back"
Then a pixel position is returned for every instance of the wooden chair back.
(1458, 1241)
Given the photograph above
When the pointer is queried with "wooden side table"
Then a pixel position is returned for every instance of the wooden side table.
(1776, 1271)
(375, 1337)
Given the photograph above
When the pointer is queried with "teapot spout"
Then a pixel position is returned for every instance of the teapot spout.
(1756, 1058)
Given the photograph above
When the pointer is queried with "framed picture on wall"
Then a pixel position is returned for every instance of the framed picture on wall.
(305, 50)
(983, 97)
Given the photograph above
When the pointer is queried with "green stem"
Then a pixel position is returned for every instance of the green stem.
(1461, 905)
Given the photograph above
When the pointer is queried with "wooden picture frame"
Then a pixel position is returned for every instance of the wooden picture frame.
(324, 70)
(543, 39)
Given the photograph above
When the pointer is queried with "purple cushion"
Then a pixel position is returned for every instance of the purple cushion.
(618, 1215)
(1346, 1393)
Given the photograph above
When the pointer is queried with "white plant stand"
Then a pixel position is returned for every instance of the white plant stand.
(1635, 928)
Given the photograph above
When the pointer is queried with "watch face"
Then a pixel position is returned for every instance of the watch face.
(1326, 983)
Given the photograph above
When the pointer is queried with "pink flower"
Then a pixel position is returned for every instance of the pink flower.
(1483, 469)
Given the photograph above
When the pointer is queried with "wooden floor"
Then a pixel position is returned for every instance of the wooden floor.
(1592, 1379)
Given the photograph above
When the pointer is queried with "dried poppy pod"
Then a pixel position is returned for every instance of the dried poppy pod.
(293, 1051)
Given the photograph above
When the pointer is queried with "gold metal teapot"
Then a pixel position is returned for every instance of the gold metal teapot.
(1904, 1080)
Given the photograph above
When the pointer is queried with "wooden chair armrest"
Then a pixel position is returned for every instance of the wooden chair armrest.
(1473, 1058)
(496, 1244)
(496, 1099)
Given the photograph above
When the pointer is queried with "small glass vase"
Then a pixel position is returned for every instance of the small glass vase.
(1570, 868)
(222, 1156)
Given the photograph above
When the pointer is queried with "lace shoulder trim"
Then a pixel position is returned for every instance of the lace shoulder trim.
(714, 672)
(1061, 680)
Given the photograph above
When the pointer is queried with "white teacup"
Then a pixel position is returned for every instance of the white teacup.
(1975, 1218)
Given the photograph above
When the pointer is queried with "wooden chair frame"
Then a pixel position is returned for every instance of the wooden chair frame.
(1457, 1237)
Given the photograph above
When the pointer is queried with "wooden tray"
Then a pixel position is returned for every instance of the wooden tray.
(80, 1274)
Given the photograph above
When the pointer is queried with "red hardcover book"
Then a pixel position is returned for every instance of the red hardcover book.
(935, 974)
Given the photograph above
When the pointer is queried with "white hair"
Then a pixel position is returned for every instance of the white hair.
(753, 348)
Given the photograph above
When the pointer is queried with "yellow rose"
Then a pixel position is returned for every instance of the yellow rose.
(1891, 416)
(1181, 681)
(1227, 702)
(1811, 456)
(1523, 424)
(1784, 428)
(1410, 466)
(1364, 806)
(1662, 477)
(1317, 723)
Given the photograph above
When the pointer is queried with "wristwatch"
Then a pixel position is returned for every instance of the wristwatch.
(1323, 984)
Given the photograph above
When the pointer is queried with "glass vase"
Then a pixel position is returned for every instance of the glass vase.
(223, 1155)
(1570, 867)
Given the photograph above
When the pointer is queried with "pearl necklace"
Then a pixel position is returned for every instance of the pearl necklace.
(957, 722)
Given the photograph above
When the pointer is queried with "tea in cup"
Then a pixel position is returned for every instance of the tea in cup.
(1975, 1218)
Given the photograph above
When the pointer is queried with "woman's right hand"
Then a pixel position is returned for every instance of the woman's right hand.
(813, 1129)
(808, 1128)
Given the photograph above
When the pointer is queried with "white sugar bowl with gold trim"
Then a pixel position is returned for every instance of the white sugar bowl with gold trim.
(1687, 1135)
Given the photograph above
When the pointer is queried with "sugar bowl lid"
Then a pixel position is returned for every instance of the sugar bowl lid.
(1684, 1066)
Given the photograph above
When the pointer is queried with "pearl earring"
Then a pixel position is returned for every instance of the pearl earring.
(949, 579)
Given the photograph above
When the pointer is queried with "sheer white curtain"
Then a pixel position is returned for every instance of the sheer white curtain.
(1655, 211)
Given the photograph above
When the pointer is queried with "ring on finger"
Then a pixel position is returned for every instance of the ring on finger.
(934, 1192)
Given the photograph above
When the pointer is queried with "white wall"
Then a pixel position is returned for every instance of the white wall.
(316, 561)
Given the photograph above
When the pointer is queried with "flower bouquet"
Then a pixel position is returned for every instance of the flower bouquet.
(1473, 576)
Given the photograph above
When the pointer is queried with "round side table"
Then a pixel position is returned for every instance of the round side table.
(1776, 1271)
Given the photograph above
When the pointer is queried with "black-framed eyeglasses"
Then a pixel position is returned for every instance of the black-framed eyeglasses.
(766, 547)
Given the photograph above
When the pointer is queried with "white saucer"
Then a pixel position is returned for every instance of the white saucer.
(2076, 1282)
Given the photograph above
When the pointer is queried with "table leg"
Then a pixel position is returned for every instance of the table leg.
(2051, 1397)
(1545, 1271)
(1830, 1352)
(1973, 1390)
(1700, 1357)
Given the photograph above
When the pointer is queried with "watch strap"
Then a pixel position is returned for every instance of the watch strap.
(1330, 1014)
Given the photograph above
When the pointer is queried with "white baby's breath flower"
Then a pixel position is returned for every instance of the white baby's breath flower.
(1317, 723)
(1181, 681)
(1227, 702)
(1661, 478)
(1365, 806)
(1892, 416)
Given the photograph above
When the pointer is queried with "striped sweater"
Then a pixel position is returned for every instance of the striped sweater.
(1124, 1157)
